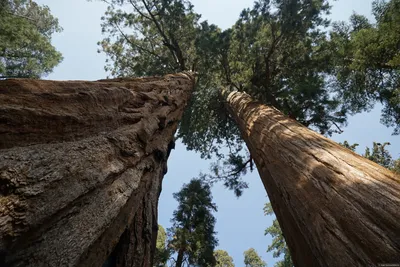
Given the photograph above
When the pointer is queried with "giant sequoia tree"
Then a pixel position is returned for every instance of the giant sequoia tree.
(81, 166)
(279, 53)
(82, 163)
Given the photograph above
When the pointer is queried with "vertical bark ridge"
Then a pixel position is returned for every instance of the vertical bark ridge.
(335, 207)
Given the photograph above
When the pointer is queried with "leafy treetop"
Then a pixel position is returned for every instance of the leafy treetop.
(162, 252)
(223, 259)
(192, 234)
(252, 259)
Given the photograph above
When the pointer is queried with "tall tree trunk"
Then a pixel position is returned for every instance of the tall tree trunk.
(81, 166)
(179, 259)
(335, 207)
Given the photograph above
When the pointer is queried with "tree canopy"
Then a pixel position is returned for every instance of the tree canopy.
(367, 61)
(223, 259)
(280, 52)
(252, 259)
(25, 39)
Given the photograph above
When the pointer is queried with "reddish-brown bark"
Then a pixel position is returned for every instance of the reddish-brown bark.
(335, 207)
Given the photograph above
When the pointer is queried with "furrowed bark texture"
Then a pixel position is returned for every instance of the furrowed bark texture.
(335, 207)
(81, 166)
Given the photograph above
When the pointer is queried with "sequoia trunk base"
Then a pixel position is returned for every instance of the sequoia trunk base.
(335, 207)
(81, 166)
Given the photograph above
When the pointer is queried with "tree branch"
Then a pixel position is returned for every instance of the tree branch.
(138, 10)
(15, 77)
(136, 45)
(337, 126)
(233, 173)
(22, 16)
(171, 48)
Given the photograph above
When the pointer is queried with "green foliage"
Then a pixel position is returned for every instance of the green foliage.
(25, 39)
(154, 37)
(223, 259)
(272, 52)
(270, 55)
(348, 146)
(366, 61)
(162, 253)
(278, 55)
(149, 37)
(278, 245)
(278, 52)
(252, 259)
(396, 166)
(378, 154)
(192, 232)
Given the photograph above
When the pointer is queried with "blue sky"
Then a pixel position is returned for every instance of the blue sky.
(240, 222)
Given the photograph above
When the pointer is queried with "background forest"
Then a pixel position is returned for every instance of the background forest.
(333, 70)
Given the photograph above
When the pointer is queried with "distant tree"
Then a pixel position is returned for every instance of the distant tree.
(25, 39)
(162, 253)
(396, 166)
(278, 246)
(348, 146)
(223, 259)
(379, 154)
(252, 259)
(192, 234)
